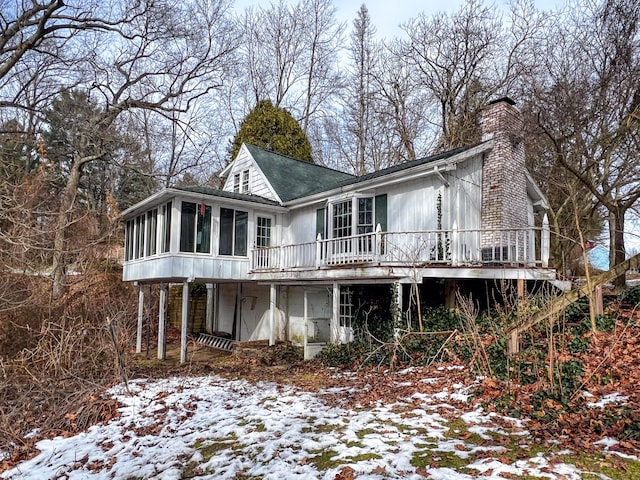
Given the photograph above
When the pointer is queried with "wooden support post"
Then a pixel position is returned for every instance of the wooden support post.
(520, 283)
(599, 305)
(450, 290)
(162, 323)
(185, 321)
(513, 345)
(272, 314)
(140, 318)
(399, 303)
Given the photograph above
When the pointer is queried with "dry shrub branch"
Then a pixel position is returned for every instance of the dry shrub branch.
(52, 384)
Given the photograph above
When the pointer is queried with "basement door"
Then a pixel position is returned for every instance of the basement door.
(345, 318)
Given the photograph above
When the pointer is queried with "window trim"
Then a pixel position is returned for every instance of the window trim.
(355, 214)
(196, 241)
(245, 182)
(233, 228)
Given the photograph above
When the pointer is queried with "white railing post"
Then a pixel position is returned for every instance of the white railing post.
(545, 241)
(454, 244)
(318, 250)
(378, 245)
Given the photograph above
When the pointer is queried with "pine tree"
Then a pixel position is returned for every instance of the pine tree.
(274, 129)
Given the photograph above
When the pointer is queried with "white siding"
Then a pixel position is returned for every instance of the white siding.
(319, 306)
(258, 185)
(412, 205)
(180, 266)
(468, 191)
(226, 306)
(302, 228)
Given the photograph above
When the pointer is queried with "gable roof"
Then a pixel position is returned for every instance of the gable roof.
(292, 178)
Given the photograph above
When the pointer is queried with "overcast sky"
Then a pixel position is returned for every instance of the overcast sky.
(388, 15)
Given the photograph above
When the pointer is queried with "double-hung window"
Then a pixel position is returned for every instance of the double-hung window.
(241, 182)
(245, 181)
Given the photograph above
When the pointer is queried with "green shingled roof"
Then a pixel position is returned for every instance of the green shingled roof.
(224, 194)
(292, 178)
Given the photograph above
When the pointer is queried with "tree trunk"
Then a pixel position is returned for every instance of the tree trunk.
(59, 242)
(616, 242)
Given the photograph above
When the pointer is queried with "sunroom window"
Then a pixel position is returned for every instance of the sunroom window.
(152, 230)
(195, 228)
(233, 232)
(166, 228)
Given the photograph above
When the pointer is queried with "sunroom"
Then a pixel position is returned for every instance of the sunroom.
(196, 234)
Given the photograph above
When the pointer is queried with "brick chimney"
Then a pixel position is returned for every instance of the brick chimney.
(504, 184)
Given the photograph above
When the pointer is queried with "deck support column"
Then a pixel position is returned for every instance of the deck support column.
(398, 314)
(185, 321)
(450, 292)
(305, 313)
(209, 314)
(335, 317)
(162, 323)
(140, 317)
(272, 314)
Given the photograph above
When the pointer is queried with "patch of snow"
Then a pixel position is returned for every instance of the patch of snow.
(608, 399)
(210, 427)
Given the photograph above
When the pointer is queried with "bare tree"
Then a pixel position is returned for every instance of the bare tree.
(588, 103)
(160, 57)
(359, 96)
(401, 108)
(290, 55)
(467, 58)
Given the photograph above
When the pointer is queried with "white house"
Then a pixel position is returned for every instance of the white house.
(283, 243)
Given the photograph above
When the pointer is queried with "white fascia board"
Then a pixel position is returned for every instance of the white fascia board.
(235, 202)
(225, 171)
(169, 193)
(425, 169)
(534, 190)
(143, 205)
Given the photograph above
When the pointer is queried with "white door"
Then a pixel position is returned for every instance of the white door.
(345, 318)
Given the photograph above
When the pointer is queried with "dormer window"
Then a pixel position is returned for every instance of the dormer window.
(245, 181)
(241, 182)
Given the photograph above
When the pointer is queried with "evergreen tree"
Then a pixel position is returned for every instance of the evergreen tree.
(274, 129)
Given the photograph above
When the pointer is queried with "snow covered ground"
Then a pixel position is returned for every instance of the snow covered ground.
(210, 427)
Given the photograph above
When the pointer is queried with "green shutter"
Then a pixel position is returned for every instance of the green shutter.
(320, 214)
(381, 211)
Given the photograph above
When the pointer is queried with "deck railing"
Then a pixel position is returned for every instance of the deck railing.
(523, 247)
